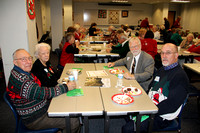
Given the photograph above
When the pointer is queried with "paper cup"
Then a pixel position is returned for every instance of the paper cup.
(75, 73)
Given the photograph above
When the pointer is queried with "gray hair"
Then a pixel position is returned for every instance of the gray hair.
(135, 39)
(123, 36)
(38, 46)
(112, 27)
(190, 34)
(14, 53)
(77, 26)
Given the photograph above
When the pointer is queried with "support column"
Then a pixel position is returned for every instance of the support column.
(56, 22)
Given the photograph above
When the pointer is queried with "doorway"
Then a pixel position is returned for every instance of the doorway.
(171, 17)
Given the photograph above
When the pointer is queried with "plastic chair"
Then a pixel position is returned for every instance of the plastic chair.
(20, 127)
(176, 123)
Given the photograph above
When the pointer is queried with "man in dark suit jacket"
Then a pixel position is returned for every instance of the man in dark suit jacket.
(143, 64)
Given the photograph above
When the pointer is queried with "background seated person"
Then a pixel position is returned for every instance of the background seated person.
(30, 99)
(42, 68)
(149, 45)
(195, 48)
(163, 33)
(188, 41)
(176, 37)
(156, 32)
(168, 91)
(122, 48)
(70, 48)
(114, 40)
(73, 30)
(127, 31)
(139, 64)
(142, 33)
(111, 35)
(93, 31)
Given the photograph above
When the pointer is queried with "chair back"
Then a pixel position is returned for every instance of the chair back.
(12, 107)
(20, 127)
(176, 123)
(180, 114)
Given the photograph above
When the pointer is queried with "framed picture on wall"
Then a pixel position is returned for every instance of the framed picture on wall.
(102, 13)
(124, 13)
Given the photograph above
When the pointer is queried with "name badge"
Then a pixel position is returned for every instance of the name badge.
(157, 79)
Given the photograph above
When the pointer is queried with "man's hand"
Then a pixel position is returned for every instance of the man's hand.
(129, 76)
(71, 85)
(111, 64)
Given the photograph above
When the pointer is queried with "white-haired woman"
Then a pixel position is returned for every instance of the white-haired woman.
(188, 41)
(42, 68)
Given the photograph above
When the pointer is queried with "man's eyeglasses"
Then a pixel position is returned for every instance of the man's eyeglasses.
(167, 53)
(25, 59)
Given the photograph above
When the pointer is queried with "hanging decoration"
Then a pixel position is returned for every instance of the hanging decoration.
(31, 8)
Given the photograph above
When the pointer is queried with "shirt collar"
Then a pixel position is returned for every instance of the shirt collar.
(20, 70)
(171, 66)
(125, 41)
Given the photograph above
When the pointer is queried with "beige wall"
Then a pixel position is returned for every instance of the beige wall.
(136, 12)
(190, 14)
(17, 31)
(67, 13)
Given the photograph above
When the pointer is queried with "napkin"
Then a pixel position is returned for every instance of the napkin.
(144, 117)
(106, 67)
(78, 68)
(75, 92)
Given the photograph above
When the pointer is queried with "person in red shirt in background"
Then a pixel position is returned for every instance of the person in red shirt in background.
(177, 23)
(144, 23)
(196, 48)
(149, 45)
(69, 49)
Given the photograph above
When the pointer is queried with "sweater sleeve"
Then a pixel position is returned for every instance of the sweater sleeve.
(37, 92)
(193, 48)
(177, 94)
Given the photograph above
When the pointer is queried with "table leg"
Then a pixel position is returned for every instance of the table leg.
(138, 122)
(106, 123)
(86, 124)
(68, 125)
(151, 123)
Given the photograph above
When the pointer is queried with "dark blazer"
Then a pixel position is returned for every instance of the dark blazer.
(144, 70)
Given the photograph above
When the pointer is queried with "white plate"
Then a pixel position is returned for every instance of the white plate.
(122, 99)
(133, 91)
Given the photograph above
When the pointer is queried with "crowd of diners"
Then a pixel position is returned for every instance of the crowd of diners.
(32, 85)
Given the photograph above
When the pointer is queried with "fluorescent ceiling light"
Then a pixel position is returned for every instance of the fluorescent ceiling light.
(181, 1)
(122, 1)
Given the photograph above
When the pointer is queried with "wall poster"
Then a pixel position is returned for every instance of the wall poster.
(113, 17)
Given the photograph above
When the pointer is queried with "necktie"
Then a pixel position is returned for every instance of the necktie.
(133, 67)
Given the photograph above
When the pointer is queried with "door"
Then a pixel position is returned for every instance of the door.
(171, 17)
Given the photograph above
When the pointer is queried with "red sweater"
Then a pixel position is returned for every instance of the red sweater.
(65, 56)
(149, 46)
(195, 49)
